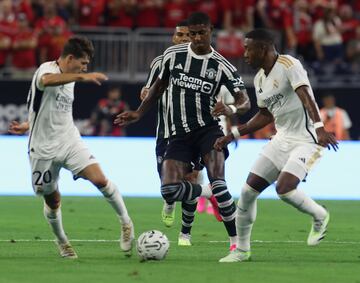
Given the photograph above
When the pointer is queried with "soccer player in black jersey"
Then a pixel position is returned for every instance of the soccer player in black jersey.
(181, 35)
(193, 74)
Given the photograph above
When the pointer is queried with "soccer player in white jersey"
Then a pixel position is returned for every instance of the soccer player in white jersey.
(55, 142)
(284, 95)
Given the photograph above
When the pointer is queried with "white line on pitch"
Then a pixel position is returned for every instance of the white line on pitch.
(110, 241)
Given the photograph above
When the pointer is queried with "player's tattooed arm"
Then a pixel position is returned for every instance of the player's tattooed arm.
(325, 138)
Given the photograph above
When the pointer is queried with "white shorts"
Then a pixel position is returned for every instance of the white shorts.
(45, 172)
(294, 158)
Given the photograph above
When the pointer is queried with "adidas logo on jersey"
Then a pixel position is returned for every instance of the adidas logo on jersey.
(179, 66)
(302, 159)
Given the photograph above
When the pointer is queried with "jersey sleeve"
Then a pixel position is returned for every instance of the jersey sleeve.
(297, 75)
(232, 81)
(154, 72)
(45, 69)
(259, 101)
(165, 66)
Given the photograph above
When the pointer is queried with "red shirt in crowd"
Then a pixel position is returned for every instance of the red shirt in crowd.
(211, 8)
(90, 12)
(149, 14)
(24, 58)
(174, 12)
(238, 9)
(119, 15)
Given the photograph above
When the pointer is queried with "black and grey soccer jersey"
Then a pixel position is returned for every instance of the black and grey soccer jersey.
(162, 128)
(194, 83)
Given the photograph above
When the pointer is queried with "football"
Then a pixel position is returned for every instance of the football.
(152, 245)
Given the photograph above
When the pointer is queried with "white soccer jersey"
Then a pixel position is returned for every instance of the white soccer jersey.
(50, 115)
(276, 92)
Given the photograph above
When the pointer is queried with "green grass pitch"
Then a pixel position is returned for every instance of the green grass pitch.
(279, 249)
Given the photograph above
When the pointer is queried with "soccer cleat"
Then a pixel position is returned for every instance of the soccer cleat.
(236, 255)
(201, 206)
(215, 206)
(168, 218)
(318, 230)
(184, 240)
(127, 238)
(66, 250)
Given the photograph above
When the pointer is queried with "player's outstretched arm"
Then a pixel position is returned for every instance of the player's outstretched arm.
(64, 78)
(17, 128)
(325, 138)
(260, 120)
(155, 92)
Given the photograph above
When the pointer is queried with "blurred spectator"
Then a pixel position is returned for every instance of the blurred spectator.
(174, 12)
(90, 12)
(102, 118)
(24, 7)
(52, 32)
(230, 43)
(353, 52)
(120, 13)
(238, 14)
(66, 10)
(348, 23)
(7, 29)
(24, 46)
(327, 36)
(211, 8)
(5, 44)
(149, 13)
(302, 23)
(276, 14)
(336, 120)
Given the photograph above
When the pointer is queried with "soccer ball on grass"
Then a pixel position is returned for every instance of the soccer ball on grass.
(152, 245)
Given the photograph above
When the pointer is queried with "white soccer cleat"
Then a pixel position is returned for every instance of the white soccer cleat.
(66, 250)
(127, 238)
(184, 240)
(318, 230)
(236, 256)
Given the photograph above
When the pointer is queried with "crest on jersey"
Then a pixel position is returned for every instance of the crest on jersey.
(210, 73)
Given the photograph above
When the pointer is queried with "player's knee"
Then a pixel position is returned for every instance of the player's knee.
(99, 181)
(283, 187)
(53, 200)
(170, 192)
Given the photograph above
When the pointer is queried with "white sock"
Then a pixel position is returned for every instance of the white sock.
(53, 217)
(206, 191)
(302, 202)
(245, 216)
(169, 208)
(112, 195)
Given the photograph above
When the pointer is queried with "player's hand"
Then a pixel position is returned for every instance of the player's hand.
(96, 78)
(222, 142)
(126, 118)
(326, 139)
(17, 128)
(144, 93)
(221, 109)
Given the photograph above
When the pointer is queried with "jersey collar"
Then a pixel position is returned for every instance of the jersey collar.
(201, 57)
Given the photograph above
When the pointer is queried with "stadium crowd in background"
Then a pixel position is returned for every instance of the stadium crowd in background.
(320, 32)
(323, 34)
